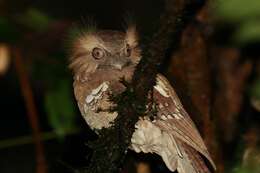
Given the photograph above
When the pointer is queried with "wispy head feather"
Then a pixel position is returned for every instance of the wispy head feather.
(85, 26)
(78, 31)
(131, 30)
(132, 35)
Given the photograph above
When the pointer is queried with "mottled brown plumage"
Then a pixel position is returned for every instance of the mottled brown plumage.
(99, 60)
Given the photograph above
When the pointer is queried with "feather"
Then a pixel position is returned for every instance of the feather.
(132, 36)
(180, 125)
(195, 159)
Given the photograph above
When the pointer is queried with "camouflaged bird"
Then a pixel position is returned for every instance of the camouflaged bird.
(99, 59)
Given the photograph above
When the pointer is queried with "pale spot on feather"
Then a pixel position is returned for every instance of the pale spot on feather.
(97, 90)
(83, 80)
(89, 98)
(93, 108)
(162, 89)
(97, 93)
(103, 87)
(177, 115)
(85, 107)
(169, 116)
(163, 117)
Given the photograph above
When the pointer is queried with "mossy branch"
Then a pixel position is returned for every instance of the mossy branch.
(111, 147)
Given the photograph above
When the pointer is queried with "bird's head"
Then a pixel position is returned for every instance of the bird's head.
(99, 59)
(105, 51)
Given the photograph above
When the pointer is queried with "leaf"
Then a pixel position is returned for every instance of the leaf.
(60, 108)
(237, 10)
(255, 94)
(255, 89)
(248, 32)
(35, 19)
(243, 16)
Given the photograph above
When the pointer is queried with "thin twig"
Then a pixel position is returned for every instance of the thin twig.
(31, 109)
(24, 140)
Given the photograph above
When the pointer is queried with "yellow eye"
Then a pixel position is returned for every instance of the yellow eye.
(127, 50)
(98, 53)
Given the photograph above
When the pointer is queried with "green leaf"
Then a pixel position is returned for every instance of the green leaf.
(255, 89)
(60, 108)
(237, 10)
(35, 19)
(243, 16)
(248, 32)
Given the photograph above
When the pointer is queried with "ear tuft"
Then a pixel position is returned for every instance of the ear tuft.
(132, 36)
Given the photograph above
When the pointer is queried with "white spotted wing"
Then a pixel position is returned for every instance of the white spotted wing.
(174, 120)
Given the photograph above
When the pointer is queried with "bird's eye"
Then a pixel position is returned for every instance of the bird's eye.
(127, 50)
(98, 53)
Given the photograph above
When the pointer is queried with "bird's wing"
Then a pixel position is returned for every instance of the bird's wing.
(173, 119)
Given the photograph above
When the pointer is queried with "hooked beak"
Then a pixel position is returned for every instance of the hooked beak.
(118, 66)
(120, 63)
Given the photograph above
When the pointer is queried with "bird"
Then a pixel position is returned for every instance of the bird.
(99, 59)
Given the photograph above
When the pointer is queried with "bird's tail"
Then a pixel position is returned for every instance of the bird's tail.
(188, 160)
(194, 161)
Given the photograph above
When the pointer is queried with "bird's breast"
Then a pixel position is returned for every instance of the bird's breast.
(96, 107)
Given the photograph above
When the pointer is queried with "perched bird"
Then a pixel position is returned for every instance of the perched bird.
(99, 59)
